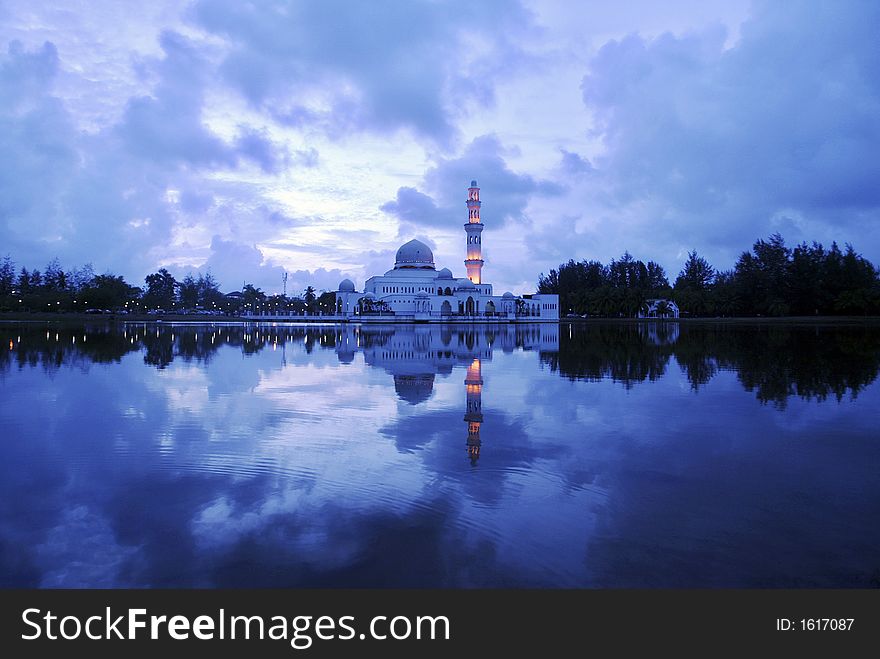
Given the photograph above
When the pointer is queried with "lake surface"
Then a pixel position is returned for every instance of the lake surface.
(600, 455)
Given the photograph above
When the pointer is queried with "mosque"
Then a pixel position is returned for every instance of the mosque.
(414, 290)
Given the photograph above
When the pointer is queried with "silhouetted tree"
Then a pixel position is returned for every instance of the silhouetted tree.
(693, 287)
(209, 294)
(161, 290)
(188, 291)
(309, 298)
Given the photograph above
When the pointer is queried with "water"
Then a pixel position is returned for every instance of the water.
(618, 455)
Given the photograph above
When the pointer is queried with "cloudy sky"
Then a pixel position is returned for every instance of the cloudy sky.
(250, 139)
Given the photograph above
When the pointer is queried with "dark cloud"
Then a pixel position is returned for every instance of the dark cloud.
(575, 164)
(416, 208)
(383, 66)
(195, 201)
(26, 75)
(36, 140)
(709, 139)
(167, 125)
(723, 145)
(257, 146)
(106, 193)
(505, 193)
(236, 263)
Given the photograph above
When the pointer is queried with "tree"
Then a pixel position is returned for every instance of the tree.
(54, 278)
(188, 291)
(79, 278)
(252, 297)
(623, 273)
(7, 276)
(807, 280)
(208, 291)
(161, 290)
(657, 282)
(109, 291)
(762, 277)
(309, 298)
(859, 281)
(772, 262)
(326, 302)
(24, 281)
(697, 274)
(693, 285)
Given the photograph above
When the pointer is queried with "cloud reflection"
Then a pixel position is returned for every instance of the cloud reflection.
(229, 455)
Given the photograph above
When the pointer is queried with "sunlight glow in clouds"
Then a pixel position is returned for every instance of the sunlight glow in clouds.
(316, 137)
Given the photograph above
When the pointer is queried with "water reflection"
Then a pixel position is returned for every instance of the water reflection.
(605, 455)
(412, 355)
(776, 362)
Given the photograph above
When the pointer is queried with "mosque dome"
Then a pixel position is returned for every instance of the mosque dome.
(467, 284)
(507, 296)
(414, 254)
(346, 286)
(414, 389)
(445, 273)
(370, 296)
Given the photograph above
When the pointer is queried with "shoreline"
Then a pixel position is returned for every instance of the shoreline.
(390, 320)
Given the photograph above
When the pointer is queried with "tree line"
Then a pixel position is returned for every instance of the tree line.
(55, 289)
(771, 279)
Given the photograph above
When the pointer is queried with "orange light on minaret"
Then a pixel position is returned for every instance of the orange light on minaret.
(473, 229)
(473, 384)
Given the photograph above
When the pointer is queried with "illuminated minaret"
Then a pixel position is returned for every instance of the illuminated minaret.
(473, 384)
(474, 260)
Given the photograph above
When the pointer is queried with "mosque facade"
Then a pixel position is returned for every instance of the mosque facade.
(415, 290)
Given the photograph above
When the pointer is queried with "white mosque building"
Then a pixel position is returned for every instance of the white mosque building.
(414, 290)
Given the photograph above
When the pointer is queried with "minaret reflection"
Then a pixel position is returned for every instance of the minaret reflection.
(473, 384)
(417, 355)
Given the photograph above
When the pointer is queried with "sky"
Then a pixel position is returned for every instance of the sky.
(249, 139)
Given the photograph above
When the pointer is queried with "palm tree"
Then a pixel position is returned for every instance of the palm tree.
(309, 298)
(252, 296)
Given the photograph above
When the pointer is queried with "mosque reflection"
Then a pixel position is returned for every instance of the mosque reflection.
(776, 362)
(414, 355)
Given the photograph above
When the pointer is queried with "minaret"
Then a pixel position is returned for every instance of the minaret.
(474, 261)
(473, 384)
